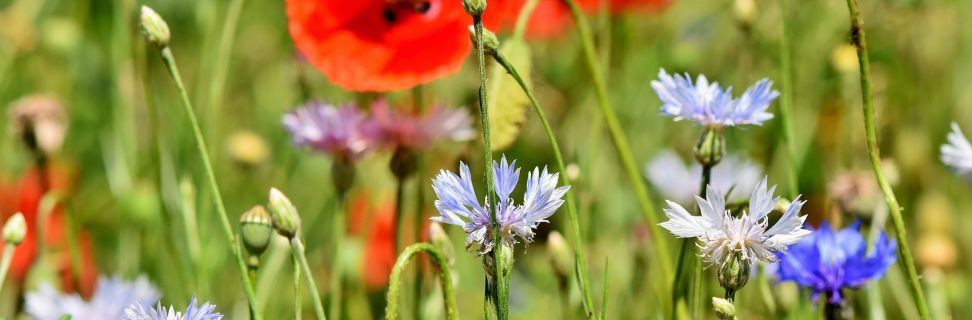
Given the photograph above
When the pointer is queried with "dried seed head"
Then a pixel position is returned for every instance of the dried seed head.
(284, 215)
(40, 122)
(154, 28)
(15, 229)
(256, 227)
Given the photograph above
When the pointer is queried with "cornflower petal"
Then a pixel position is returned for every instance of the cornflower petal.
(957, 153)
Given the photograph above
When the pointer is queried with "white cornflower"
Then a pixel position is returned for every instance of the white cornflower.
(957, 153)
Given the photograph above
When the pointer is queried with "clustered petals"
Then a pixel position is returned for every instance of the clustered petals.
(957, 153)
(111, 297)
(709, 104)
(336, 130)
(206, 311)
(394, 128)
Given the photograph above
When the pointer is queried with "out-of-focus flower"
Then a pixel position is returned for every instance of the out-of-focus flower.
(936, 250)
(856, 192)
(339, 131)
(679, 182)
(111, 297)
(395, 129)
(711, 106)
(247, 148)
(829, 261)
(40, 121)
(748, 236)
(193, 312)
(844, 58)
(381, 45)
(957, 153)
(458, 205)
(551, 18)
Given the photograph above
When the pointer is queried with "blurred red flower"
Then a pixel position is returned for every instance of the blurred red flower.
(382, 45)
(552, 18)
(379, 255)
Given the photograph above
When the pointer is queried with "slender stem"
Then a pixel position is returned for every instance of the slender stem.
(578, 245)
(298, 251)
(621, 142)
(8, 251)
(523, 18)
(418, 95)
(786, 104)
(399, 214)
(445, 278)
(170, 64)
(218, 79)
(297, 295)
(604, 293)
(904, 250)
(337, 279)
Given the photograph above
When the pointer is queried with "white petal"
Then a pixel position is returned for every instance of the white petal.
(681, 223)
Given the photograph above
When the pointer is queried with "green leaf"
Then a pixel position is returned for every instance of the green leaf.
(506, 103)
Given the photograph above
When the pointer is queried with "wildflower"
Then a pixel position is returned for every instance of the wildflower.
(40, 121)
(748, 236)
(109, 301)
(680, 182)
(957, 153)
(828, 261)
(326, 128)
(193, 312)
(395, 129)
(457, 204)
(711, 106)
(551, 18)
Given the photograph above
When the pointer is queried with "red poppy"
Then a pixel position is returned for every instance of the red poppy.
(552, 18)
(377, 223)
(381, 45)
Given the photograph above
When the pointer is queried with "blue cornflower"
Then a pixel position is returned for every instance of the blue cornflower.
(828, 261)
(710, 105)
(193, 312)
(109, 300)
(957, 153)
(457, 204)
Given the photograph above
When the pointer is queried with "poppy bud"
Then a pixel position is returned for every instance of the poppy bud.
(342, 175)
(474, 8)
(256, 226)
(723, 308)
(490, 42)
(733, 274)
(711, 146)
(284, 215)
(439, 239)
(15, 229)
(560, 254)
(154, 28)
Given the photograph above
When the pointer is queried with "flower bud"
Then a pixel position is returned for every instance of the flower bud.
(439, 239)
(745, 11)
(474, 8)
(723, 308)
(490, 42)
(256, 226)
(711, 146)
(15, 229)
(154, 28)
(403, 163)
(504, 259)
(733, 273)
(560, 254)
(284, 215)
(40, 122)
(342, 175)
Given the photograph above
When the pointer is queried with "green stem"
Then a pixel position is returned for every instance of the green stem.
(297, 296)
(170, 64)
(399, 215)
(218, 79)
(904, 250)
(578, 246)
(8, 251)
(621, 142)
(298, 251)
(445, 278)
(337, 267)
(786, 104)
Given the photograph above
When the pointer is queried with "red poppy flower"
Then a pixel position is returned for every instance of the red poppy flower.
(377, 223)
(381, 45)
(552, 18)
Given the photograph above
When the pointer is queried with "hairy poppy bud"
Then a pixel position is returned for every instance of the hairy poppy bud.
(490, 42)
(711, 146)
(256, 227)
(284, 215)
(15, 229)
(154, 28)
(723, 308)
(733, 274)
(474, 8)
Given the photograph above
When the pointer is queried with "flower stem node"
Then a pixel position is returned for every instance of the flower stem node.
(403, 163)
(256, 227)
(733, 274)
(490, 41)
(15, 229)
(154, 28)
(474, 8)
(342, 176)
(711, 146)
(723, 308)
(284, 214)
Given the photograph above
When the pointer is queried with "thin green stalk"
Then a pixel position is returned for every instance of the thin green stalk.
(8, 251)
(621, 144)
(418, 95)
(297, 295)
(298, 251)
(604, 293)
(445, 278)
(578, 245)
(170, 64)
(786, 104)
(227, 35)
(904, 250)
(337, 267)
(399, 214)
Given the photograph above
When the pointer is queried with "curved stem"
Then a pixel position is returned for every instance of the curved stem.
(170, 64)
(621, 142)
(298, 251)
(904, 250)
(445, 277)
(578, 246)
(8, 251)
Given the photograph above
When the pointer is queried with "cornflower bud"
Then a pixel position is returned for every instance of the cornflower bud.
(256, 227)
(403, 163)
(474, 8)
(285, 218)
(154, 28)
(15, 229)
(342, 175)
(723, 308)
(711, 146)
(733, 274)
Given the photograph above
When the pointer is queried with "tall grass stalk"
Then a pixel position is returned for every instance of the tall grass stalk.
(786, 104)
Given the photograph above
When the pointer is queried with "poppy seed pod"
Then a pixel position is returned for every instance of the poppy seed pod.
(711, 146)
(15, 230)
(285, 218)
(256, 227)
(490, 42)
(154, 28)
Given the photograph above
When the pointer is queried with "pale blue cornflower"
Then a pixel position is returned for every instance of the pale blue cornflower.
(193, 312)
(679, 182)
(458, 205)
(957, 153)
(711, 106)
(749, 235)
(339, 131)
(110, 298)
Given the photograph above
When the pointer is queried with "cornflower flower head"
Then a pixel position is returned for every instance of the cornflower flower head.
(829, 261)
(748, 236)
(339, 131)
(709, 105)
(193, 312)
(110, 298)
(457, 204)
(957, 153)
(397, 129)
(680, 182)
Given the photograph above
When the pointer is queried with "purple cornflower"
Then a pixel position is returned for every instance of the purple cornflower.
(110, 298)
(828, 261)
(957, 153)
(397, 129)
(339, 131)
(749, 235)
(710, 105)
(457, 204)
(193, 312)
(679, 182)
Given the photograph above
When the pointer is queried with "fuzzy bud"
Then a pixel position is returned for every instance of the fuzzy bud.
(440, 239)
(15, 229)
(154, 28)
(711, 146)
(474, 8)
(733, 273)
(256, 227)
(560, 254)
(284, 215)
(723, 308)
(490, 41)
